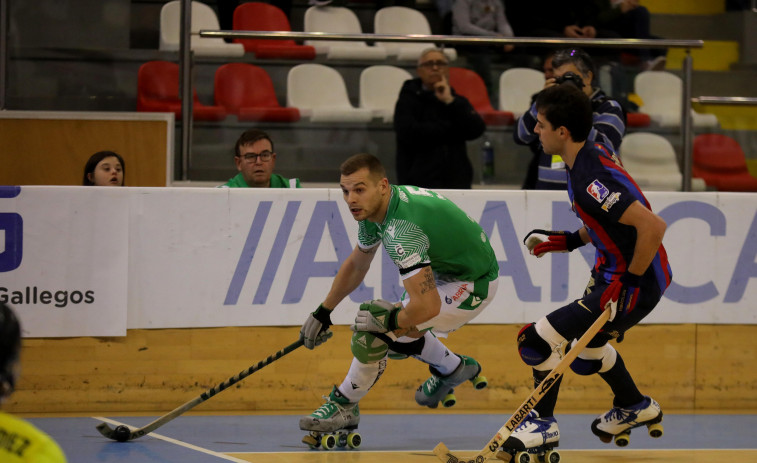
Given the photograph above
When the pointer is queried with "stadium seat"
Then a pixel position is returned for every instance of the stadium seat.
(203, 18)
(158, 91)
(721, 162)
(340, 20)
(379, 89)
(247, 91)
(320, 94)
(661, 93)
(257, 16)
(470, 85)
(516, 87)
(400, 20)
(652, 162)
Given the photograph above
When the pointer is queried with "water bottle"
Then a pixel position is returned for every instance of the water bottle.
(487, 162)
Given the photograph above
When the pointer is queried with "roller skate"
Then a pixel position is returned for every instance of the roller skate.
(333, 424)
(618, 422)
(533, 440)
(441, 388)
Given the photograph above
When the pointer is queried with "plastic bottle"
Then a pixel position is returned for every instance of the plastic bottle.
(487, 162)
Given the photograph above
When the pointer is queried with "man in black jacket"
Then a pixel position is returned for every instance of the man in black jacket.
(432, 124)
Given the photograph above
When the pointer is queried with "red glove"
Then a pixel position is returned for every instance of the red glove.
(540, 242)
(621, 295)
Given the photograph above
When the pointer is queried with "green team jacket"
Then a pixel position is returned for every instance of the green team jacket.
(277, 181)
(422, 227)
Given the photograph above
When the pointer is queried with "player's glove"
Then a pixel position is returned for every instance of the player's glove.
(540, 242)
(621, 295)
(376, 316)
(317, 323)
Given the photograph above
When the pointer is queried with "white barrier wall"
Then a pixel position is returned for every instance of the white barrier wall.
(202, 257)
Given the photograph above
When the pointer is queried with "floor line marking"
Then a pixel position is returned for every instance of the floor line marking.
(178, 442)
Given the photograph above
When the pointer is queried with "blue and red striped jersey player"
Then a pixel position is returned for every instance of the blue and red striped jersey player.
(629, 276)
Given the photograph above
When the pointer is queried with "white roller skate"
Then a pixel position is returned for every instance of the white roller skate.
(441, 388)
(333, 424)
(534, 439)
(618, 422)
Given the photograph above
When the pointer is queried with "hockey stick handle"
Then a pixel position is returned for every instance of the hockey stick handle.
(106, 431)
(443, 453)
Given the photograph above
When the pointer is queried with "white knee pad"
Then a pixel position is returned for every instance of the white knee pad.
(556, 342)
(594, 360)
(360, 378)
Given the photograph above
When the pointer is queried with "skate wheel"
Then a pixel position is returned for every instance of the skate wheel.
(354, 440)
(622, 439)
(311, 441)
(341, 440)
(479, 382)
(655, 430)
(522, 457)
(552, 456)
(449, 400)
(328, 441)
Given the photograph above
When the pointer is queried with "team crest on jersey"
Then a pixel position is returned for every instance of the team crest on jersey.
(597, 190)
(611, 200)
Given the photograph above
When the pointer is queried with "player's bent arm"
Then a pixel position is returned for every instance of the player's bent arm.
(424, 304)
(350, 275)
(584, 234)
(650, 228)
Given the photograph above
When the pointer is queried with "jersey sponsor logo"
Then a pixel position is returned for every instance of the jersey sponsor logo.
(399, 249)
(12, 232)
(411, 260)
(447, 300)
(460, 291)
(611, 200)
(597, 191)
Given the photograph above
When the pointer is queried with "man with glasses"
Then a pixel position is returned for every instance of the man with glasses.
(432, 124)
(255, 160)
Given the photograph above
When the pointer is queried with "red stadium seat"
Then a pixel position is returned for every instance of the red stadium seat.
(638, 120)
(247, 91)
(721, 162)
(158, 91)
(256, 16)
(470, 85)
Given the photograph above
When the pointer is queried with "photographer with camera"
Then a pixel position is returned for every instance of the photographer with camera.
(573, 67)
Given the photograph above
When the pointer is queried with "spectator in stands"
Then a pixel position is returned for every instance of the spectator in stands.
(532, 173)
(630, 20)
(432, 124)
(255, 160)
(22, 442)
(481, 18)
(573, 67)
(104, 168)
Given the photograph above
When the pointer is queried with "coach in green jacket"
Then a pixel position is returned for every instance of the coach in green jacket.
(255, 160)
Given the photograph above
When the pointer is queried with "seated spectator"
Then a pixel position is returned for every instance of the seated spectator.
(631, 21)
(22, 442)
(255, 160)
(104, 168)
(432, 124)
(573, 67)
(481, 18)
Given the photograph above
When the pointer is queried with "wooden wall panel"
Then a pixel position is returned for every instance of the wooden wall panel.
(685, 367)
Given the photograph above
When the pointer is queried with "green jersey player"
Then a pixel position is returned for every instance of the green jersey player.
(449, 272)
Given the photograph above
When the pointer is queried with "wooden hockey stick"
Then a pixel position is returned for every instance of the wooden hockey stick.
(445, 455)
(124, 433)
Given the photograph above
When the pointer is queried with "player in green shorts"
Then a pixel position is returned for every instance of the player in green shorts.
(449, 272)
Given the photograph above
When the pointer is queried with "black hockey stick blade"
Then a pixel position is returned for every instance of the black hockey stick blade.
(124, 433)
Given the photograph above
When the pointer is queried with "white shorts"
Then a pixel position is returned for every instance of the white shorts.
(450, 317)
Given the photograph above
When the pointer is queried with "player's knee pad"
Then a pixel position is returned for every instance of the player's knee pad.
(531, 347)
(414, 347)
(367, 348)
(594, 360)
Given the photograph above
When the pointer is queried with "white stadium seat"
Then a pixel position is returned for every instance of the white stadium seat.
(661, 93)
(400, 20)
(516, 86)
(339, 20)
(321, 95)
(203, 18)
(379, 89)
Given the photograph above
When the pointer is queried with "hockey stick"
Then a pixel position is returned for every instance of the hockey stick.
(124, 433)
(444, 454)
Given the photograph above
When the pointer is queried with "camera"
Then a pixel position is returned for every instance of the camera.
(570, 77)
